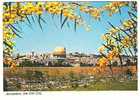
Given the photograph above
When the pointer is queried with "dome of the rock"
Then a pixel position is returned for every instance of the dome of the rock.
(59, 51)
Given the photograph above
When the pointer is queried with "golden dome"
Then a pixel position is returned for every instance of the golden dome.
(59, 51)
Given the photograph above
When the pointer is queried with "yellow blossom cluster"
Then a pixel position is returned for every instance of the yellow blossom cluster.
(114, 7)
(19, 11)
(102, 49)
(105, 37)
(112, 54)
(103, 62)
(54, 7)
(10, 62)
(94, 12)
(8, 38)
(127, 41)
(9, 15)
(113, 31)
(61, 8)
(117, 43)
(128, 24)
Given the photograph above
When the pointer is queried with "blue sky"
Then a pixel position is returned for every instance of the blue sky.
(53, 36)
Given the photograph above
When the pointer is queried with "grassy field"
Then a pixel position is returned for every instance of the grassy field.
(52, 71)
(102, 81)
(108, 86)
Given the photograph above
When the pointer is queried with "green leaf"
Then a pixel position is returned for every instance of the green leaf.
(9, 5)
(132, 14)
(39, 21)
(7, 45)
(109, 48)
(103, 55)
(75, 25)
(28, 20)
(42, 20)
(61, 16)
(33, 18)
(124, 32)
(18, 8)
(111, 25)
(53, 16)
(15, 30)
(16, 34)
(19, 57)
(68, 25)
(6, 4)
(11, 26)
(119, 10)
(64, 22)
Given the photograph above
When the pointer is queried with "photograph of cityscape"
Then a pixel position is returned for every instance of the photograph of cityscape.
(70, 46)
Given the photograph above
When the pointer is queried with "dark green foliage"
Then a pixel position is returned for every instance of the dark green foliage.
(5, 85)
(27, 63)
(38, 74)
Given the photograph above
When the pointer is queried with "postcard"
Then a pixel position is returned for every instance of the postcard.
(70, 46)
